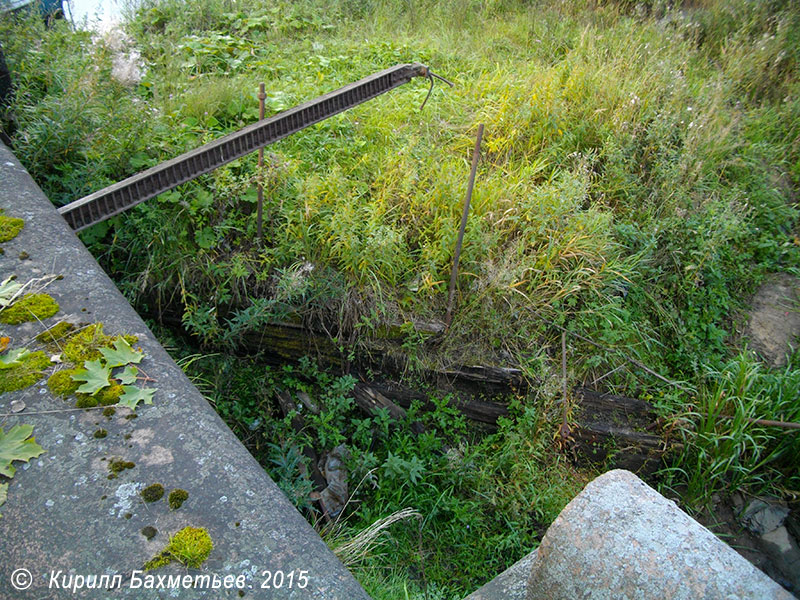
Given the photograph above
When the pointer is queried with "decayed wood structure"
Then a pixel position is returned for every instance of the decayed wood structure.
(605, 429)
(619, 431)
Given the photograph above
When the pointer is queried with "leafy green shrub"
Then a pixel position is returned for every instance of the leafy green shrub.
(484, 499)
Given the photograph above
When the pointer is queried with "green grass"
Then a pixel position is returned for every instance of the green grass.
(725, 449)
(620, 151)
(639, 179)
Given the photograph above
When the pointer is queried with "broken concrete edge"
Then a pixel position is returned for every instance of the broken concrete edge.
(64, 519)
(619, 538)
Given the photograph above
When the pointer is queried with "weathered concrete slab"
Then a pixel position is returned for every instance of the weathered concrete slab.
(620, 539)
(64, 514)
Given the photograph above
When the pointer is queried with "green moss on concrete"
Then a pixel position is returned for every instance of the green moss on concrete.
(100, 434)
(118, 465)
(190, 547)
(109, 412)
(56, 333)
(85, 401)
(31, 307)
(61, 383)
(176, 498)
(161, 559)
(29, 371)
(109, 396)
(77, 348)
(10, 227)
(153, 493)
(149, 532)
(85, 345)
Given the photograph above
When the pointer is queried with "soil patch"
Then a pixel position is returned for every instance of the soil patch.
(725, 520)
(774, 324)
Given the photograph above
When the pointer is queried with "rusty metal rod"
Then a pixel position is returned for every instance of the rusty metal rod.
(564, 370)
(454, 272)
(261, 97)
(564, 429)
(762, 422)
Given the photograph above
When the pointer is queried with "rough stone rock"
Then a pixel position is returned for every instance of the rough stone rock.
(793, 524)
(779, 545)
(510, 584)
(774, 319)
(621, 539)
(334, 496)
(761, 517)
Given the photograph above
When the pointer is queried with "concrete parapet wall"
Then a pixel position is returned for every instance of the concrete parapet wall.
(64, 515)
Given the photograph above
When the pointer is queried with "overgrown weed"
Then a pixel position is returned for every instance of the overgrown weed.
(725, 448)
(639, 179)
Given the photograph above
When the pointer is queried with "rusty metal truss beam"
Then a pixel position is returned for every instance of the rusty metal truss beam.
(121, 196)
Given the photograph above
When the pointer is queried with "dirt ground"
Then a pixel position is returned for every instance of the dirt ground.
(774, 324)
(782, 566)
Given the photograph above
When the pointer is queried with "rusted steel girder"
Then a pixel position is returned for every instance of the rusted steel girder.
(121, 196)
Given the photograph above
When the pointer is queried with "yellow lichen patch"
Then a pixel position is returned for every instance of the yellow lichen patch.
(190, 547)
(29, 371)
(10, 227)
(31, 307)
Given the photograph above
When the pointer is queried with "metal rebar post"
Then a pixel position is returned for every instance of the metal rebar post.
(454, 272)
(261, 97)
